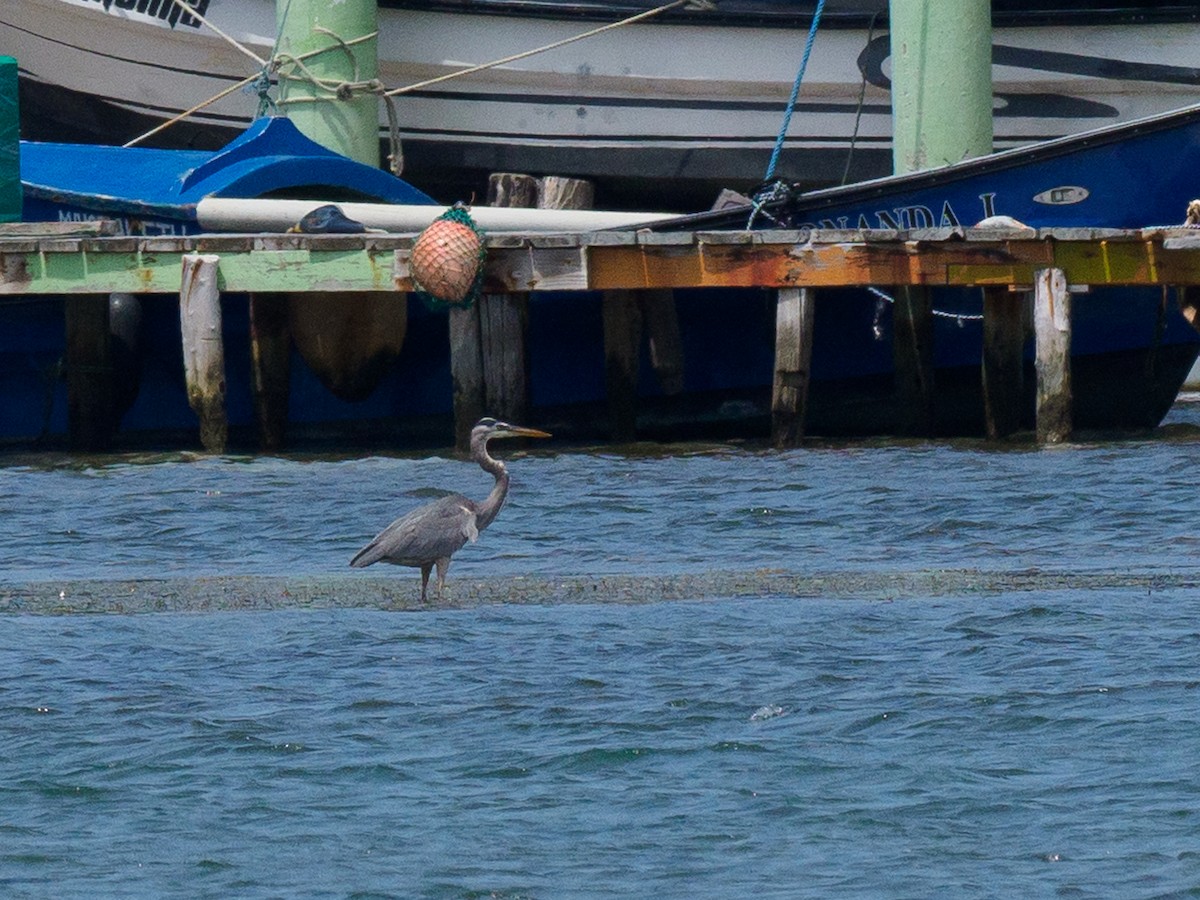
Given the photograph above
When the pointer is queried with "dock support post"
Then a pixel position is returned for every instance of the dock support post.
(203, 348)
(480, 334)
(270, 366)
(512, 190)
(622, 344)
(557, 192)
(503, 321)
(1052, 329)
(912, 354)
(1003, 360)
(661, 320)
(627, 314)
(466, 372)
(793, 362)
(89, 372)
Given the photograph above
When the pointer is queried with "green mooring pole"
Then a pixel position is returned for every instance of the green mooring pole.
(941, 82)
(339, 31)
(10, 143)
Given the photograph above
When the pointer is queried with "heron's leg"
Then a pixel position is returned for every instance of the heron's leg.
(443, 566)
(425, 570)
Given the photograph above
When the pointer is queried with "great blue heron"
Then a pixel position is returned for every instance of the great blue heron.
(431, 534)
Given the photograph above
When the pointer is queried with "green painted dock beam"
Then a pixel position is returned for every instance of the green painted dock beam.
(326, 48)
(10, 143)
(941, 82)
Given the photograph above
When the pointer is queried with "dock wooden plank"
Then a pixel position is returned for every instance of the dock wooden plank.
(605, 261)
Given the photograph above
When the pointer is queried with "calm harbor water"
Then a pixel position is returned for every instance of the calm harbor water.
(947, 670)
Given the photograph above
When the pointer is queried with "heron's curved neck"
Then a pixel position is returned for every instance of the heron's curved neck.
(490, 507)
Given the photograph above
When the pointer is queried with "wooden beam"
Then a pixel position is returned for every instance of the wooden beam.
(270, 367)
(793, 362)
(512, 190)
(1003, 366)
(90, 420)
(204, 348)
(661, 320)
(557, 192)
(1052, 331)
(607, 260)
(503, 322)
(466, 372)
(912, 354)
(622, 343)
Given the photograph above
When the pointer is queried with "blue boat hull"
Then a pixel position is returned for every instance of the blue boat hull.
(1131, 348)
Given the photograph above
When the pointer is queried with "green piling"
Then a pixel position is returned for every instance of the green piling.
(941, 82)
(322, 46)
(10, 143)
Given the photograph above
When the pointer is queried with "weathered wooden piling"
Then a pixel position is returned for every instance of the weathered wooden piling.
(270, 366)
(912, 353)
(488, 362)
(622, 319)
(1052, 333)
(1003, 360)
(512, 189)
(89, 372)
(556, 192)
(503, 323)
(61, 263)
(660, 319)
(203, 347)
(466, 372)
(793, 361)
(470, 365)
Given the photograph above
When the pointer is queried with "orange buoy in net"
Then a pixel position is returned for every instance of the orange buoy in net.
(447, 260)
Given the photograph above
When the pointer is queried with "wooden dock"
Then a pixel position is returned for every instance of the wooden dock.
(636, 271)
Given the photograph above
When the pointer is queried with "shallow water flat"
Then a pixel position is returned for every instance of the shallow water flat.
(902, 670)
(792, 748)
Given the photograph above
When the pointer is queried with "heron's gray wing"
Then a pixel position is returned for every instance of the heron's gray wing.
(428, 533)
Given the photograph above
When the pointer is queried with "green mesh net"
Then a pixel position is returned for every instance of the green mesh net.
(447, 263)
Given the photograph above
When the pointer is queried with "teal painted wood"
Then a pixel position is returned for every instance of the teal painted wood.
(10, 144)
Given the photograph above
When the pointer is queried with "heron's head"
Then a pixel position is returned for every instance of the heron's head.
(487, 429)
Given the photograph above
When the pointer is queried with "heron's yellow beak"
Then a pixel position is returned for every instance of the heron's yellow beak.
(518, 431)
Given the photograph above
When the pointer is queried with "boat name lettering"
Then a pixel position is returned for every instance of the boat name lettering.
(125, 225)
(906, 218)
(168, 10)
